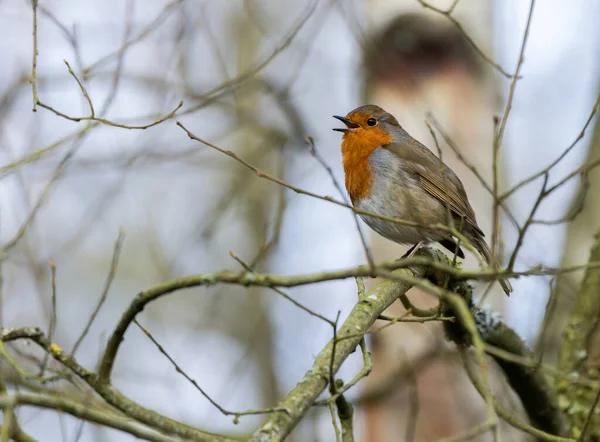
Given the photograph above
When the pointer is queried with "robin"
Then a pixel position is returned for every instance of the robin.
(389, 173)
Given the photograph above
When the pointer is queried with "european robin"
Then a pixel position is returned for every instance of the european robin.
(389, 173)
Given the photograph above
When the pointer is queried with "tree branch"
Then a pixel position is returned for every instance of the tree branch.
(83, 411)
(302, 397)
(110, 394)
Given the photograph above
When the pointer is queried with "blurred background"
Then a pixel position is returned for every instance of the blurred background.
(258, 77)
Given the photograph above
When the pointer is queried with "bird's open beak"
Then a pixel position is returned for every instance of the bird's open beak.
(348, 122)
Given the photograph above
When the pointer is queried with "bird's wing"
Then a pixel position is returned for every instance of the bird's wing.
(436, 178)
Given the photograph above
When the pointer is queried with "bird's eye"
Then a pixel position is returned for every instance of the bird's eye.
(371, 122)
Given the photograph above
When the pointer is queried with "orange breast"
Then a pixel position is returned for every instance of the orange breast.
(357, 145)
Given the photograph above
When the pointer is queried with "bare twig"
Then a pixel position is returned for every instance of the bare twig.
(564, 153)
(83, 91)
(152, 26)
(33, 80)
(120, 58)
(323, 163)
(413, 399)
(113, 123)
(498, 138)
(311, 312)
(232, 84)
(111, 395)
(462, 311)
(470, 433)
(52, 325)
(549, 314)
(45, 193)
(588, 419)
(11, 430)
(336, 430)
(528, 223)
(43, 152)
(262, 174)
(470, 166)
(109, 279)
(179, 370)
(448, 13)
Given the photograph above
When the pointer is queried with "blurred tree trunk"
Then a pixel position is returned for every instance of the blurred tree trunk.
(580, 237)
(418, 62)
(251, 202)
(574, 333)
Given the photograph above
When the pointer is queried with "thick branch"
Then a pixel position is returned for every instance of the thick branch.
(10, 425)
(537, 397)
(245, 279)
(84, 411)
(110, 394)
(267, 280)
(302, 397)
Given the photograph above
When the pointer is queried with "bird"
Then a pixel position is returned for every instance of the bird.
(391, 174)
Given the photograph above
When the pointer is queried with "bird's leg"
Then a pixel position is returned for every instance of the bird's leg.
(411, 252)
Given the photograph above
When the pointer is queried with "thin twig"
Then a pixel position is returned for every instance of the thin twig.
(588, 419)
(528, 223)
(120, 59)
(462, 311)
(301, 398)
(470, 166)
(501, 128)
(571, 378)
(114, 262)
(268, 280)
(71, 36)
(448, 13)
(548, 315)
(262, 174)
(228, 86)
(83, 90)
(110, 394)
(33, 80)
(152, 26)
(113, 123)
(470, 433)
(336, 430)
(564, 153)
(248, 268)
(52, 325)
(182, 372)
(45, 192)
(323, 163)
(43, 152)
(413, 402)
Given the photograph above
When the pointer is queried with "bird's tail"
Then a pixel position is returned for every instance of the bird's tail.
(487, 254)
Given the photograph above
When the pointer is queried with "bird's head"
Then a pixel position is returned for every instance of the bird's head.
(367, 128)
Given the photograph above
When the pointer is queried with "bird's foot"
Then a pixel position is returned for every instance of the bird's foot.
(411, 252)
